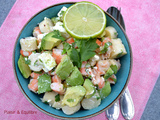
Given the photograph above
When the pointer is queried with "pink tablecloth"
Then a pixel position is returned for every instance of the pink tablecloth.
(142, 26)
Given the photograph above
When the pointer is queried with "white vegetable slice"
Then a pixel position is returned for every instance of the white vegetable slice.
(35, 63)
(58, 105)
(92, 102)
(28, 43)
(118, 48)
(71, 110)
(111, 32)
(46, 25)
(49, 97)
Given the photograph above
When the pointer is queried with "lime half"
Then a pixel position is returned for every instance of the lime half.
(84, 20)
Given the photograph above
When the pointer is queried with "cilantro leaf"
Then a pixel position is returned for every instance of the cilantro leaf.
(87, 49)
(57, 98)
(57, 35)
(114, 68)
(78, 42)
(66, 47)
(75, 57)
(105, 48)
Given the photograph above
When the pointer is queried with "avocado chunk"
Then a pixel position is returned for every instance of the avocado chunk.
(73, 95)
(109, 73)
(23, 67)
(105, 91)
(90, 89)
(48, 41)
(44, 82)
(64, 68)
(114, 68)
(75, 78)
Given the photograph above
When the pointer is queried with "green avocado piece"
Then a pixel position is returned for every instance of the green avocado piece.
(105, 91)
(23, 67)
(114, 68)
(44, 82)
(108, 73)
(75, 78)
(48, 41)
(90, 89)
(64, 68)
(73, 95)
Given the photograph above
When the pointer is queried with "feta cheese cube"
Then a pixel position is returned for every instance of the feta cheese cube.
(47, 61)
(59, 26)
(61, 12)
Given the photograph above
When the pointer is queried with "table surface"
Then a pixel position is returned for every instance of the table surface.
(152, 109)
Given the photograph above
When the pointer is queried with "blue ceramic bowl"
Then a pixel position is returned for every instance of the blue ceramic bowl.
(117, 89)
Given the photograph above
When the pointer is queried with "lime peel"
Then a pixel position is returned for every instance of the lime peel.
(91, 20)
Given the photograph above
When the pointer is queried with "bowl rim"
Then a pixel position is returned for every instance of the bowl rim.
(60, 117)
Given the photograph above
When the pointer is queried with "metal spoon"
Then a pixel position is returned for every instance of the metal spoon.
(113, 112)
(127, 106)
(126, 103)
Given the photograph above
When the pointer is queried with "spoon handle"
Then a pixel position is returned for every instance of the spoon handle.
(126, 105)
(113, 112)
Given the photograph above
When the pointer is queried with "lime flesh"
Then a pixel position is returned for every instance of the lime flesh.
(84, 20)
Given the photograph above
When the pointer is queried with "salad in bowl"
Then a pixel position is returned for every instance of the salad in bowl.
(72, 63)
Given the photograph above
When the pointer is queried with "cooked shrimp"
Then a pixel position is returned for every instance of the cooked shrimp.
(36, 31)
(56, 79)
(33, 85)
(35, 75)
(102, 66)
(57, 86)
(85, 71)
(70, 40)
(57, 55)
(109, 49)
(98, 42)
(96, 78)
(25, 53)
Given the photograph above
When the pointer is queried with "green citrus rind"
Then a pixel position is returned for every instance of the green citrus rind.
(78, 23)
